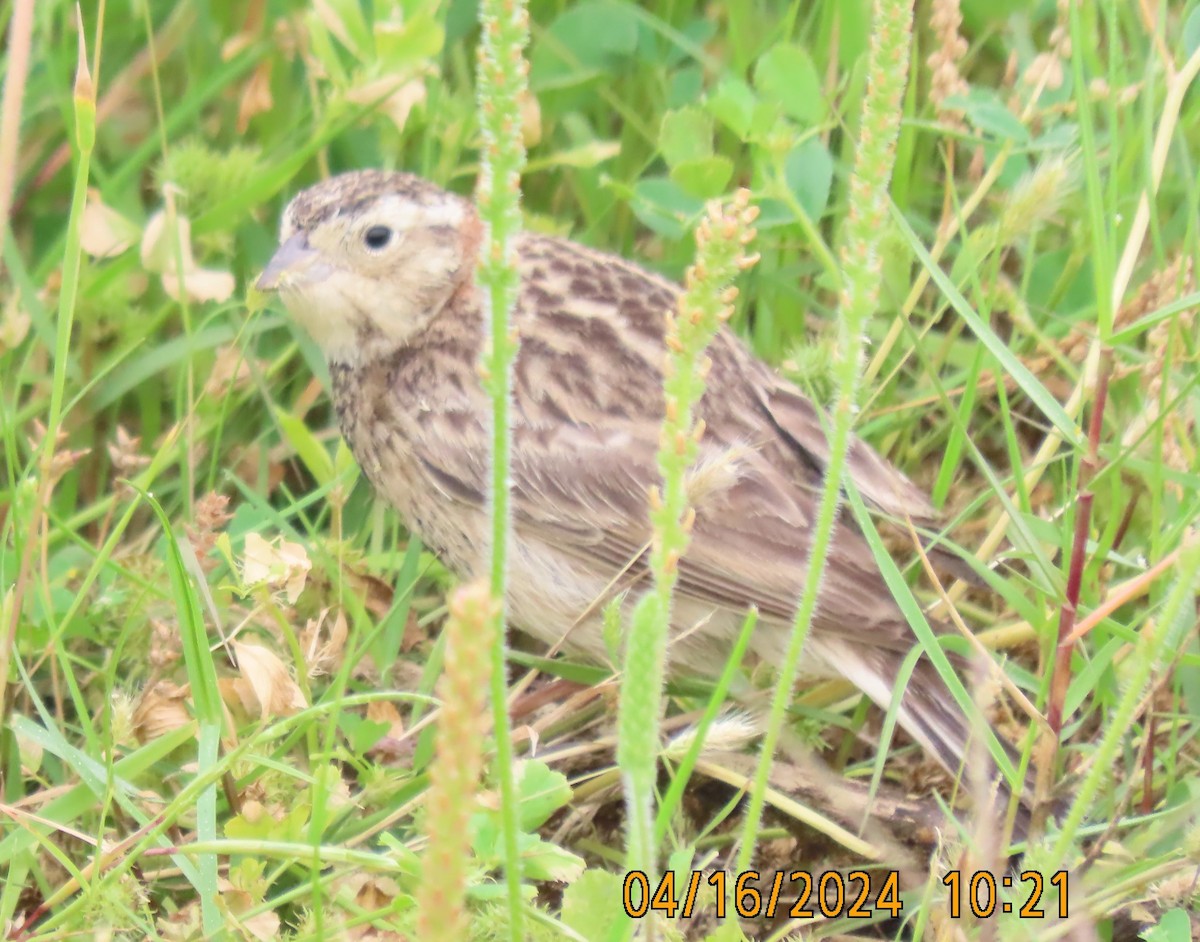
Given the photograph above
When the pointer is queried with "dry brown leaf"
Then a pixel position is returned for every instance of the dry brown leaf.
(332, 21)
(397, 104)
(249, 460)
(414, 634)
(283, 565)
(230, 370)
(256, 95)
(183, 925)
(265, 681)
(166, 646)
(160, 710)
(370, 891)
(323, 653)
(296, 566)
(125, 453)
(30, 752)
(166, 250)
(377, 594)
(254, 14)
(201, 284)
(529, 733)
(264, 926)
(384, 711)
(237, 695)
(14, 324)
(159, 251)
(104, 232)
(369, 933)
(258, 556)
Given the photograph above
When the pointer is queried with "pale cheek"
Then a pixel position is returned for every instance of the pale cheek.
(378, 307)
(324, 314)
(398, 297)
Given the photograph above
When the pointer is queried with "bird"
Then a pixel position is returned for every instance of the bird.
(379, 268)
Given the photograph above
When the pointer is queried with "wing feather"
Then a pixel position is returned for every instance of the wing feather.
(587, 408)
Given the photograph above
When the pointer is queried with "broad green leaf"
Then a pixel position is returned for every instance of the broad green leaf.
(685, 135)
(594, 35)
(1174, 926)
(587, 904)
(345, 19)
(1061, 278)
(541, 860)
(361, 733)
(686, 86)
(410, 44)
(541, 792)
(733, 103)
(705, 178)
(786, 73)
(808, 170)
(663, 206)
(293, 826)
(984, 109)
(322, 46)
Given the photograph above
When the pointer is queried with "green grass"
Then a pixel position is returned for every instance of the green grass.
(1019, 267)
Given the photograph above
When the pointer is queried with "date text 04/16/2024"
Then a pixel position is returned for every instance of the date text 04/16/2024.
(800, 894)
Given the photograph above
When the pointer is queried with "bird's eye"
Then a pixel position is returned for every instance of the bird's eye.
(377, 237)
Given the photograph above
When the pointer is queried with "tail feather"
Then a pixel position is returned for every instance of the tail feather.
(929, 713)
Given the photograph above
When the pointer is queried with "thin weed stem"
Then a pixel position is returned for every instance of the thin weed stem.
(706, 303)
(501, 81)
(887, 72)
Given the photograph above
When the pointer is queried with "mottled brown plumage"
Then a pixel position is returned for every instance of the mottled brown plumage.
(379, 268)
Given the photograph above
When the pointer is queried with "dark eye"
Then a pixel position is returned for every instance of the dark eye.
(377, 237)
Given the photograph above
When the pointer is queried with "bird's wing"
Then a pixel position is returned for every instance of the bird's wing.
(586, 415)
(749, 544)
(797, 423)
(591, 308)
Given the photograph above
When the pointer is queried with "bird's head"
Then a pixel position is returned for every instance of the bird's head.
(366, 259)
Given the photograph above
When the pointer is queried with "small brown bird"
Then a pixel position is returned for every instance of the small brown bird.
(379, 268)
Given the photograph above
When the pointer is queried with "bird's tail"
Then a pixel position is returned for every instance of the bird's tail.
(929, 713)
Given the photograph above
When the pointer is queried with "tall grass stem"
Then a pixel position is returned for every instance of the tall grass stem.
(865, 227)
(501, 80)
(706, 303)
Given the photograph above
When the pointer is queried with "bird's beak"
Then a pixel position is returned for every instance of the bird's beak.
(289, 259)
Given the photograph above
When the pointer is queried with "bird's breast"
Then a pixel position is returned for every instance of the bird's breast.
(388, 433)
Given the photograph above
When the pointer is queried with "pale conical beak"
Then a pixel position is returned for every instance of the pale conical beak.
(290, 258)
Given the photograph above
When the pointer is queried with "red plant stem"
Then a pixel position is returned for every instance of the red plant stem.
(1097, 423)
(1126, 592)
(1061, 678)
(1148, 761)
(1126, 520)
